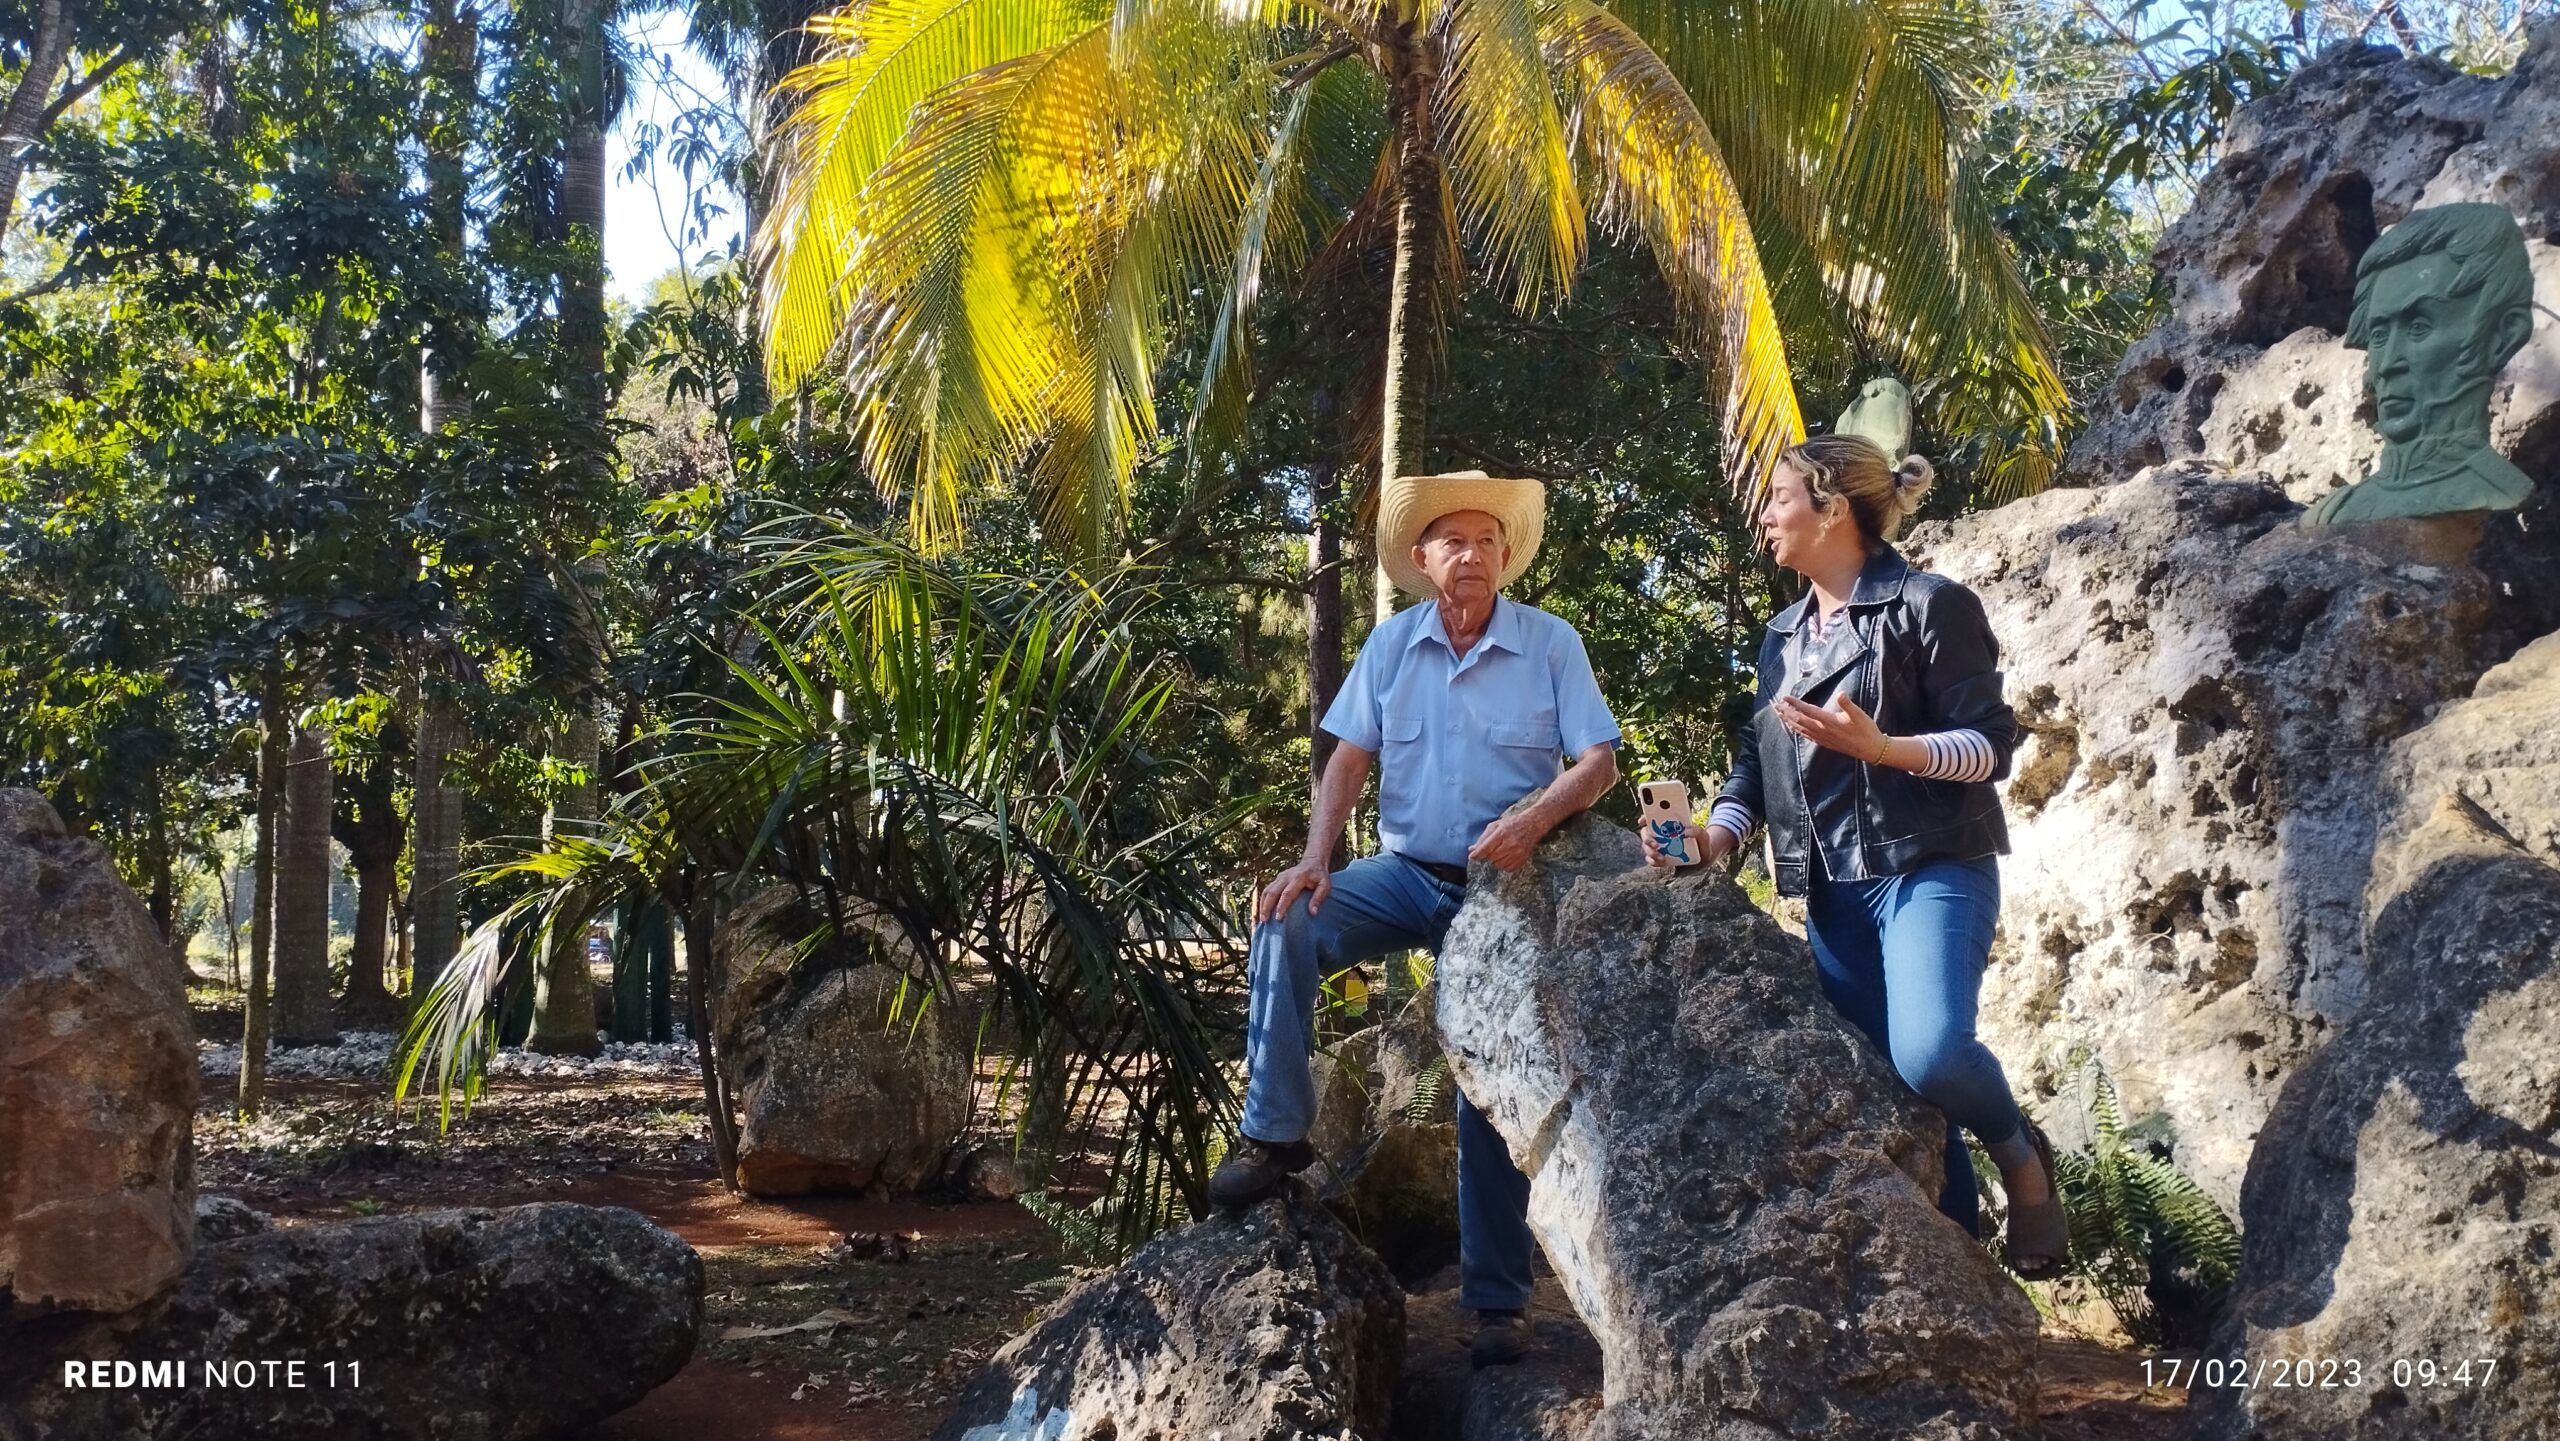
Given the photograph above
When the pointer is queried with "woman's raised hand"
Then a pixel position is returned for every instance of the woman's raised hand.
(1842, 726)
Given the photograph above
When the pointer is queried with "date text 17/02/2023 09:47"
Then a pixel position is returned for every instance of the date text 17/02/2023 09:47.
(2325, 1373)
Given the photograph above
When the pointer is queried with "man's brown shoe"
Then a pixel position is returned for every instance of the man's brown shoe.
(1255, 1169)
(1502, 1338)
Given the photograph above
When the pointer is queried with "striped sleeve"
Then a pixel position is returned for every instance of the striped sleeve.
(1733, 816)
(1959, 755)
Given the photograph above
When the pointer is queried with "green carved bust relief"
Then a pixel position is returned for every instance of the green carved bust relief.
(2443, 301)
(1881, 413)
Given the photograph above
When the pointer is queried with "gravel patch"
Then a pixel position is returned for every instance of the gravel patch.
(362, 1055)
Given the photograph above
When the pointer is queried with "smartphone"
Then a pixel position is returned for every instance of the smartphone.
(1664, 807)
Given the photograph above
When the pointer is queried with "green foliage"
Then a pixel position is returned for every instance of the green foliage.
(2149, 1240)
(1084, 1231)
(971, 759)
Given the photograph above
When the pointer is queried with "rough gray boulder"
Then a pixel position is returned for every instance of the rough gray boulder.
(2249, 372)
(2207, 693)
(1268, 1325)
(1386, 1138)
(841, 1090)
(97, 1078)
(505, 1325)
(1734, 1187)
(2401, 1209)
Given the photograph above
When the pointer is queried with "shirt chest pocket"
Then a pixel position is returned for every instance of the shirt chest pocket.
(1537, 733)
(1400, 729)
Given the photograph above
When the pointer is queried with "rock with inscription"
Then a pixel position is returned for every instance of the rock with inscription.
(513, 1325)
(2403, 1210)
(1734, 1187)
(97, 1078)
(2207, 694)
(1267, 1323)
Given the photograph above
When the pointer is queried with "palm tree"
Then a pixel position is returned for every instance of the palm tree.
(989, 212)
(304, 870)
(970, 756)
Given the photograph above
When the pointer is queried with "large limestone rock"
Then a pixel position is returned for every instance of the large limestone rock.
(1734, 1187)
(2208, 693)
(1268, 1325)
(2404, 1200)
(841, 1090)
(97, 1078)
(506, 1325)
(2249, 372)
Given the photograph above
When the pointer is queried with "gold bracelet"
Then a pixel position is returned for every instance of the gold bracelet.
(1883, 750)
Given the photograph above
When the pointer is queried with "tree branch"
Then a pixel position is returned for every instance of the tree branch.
(78, 90)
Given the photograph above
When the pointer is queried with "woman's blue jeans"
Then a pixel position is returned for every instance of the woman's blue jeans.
(1379, 904)
(1902, 960)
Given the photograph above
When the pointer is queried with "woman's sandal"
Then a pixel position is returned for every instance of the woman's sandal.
(2039, 1239)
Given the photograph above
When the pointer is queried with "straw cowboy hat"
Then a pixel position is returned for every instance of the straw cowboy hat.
(1411, 502)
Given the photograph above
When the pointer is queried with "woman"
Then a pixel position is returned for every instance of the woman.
(1872, 744)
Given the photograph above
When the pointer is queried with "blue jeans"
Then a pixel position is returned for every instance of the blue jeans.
(1379, 904)
(1902, 959)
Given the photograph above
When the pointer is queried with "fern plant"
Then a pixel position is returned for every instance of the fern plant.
(2158, 1250)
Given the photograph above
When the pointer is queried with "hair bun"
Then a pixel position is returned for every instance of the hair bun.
(1912, 479)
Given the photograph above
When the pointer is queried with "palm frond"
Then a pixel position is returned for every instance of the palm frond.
(1661, 175)
(1503, 136)
(1842, 122)
(848, 109)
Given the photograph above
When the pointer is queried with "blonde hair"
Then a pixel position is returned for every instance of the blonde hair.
(1854, 469)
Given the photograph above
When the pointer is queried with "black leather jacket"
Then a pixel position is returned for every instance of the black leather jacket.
(1918, 654)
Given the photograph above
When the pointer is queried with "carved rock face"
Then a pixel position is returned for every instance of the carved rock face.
(97, 1078)
(1733, 1186)
(2250, 370)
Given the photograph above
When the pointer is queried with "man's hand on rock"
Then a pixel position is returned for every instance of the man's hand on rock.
(1310, 877)
(1509, 842)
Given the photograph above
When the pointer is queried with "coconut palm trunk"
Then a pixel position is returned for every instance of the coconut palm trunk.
(564, 1005)
(1419, 219)
(303, 872)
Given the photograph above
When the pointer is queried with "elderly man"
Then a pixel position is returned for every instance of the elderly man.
(1468, 703)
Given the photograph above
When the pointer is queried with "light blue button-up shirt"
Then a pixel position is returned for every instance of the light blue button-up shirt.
(1459, 738)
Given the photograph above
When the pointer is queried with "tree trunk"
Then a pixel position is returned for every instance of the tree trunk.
(1324, 615)
(369, 1001)
(303, 872)
(1410, 308)
(435, 843)
(564, 998)
(56, 21)
(702, 986)
(262, 910)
